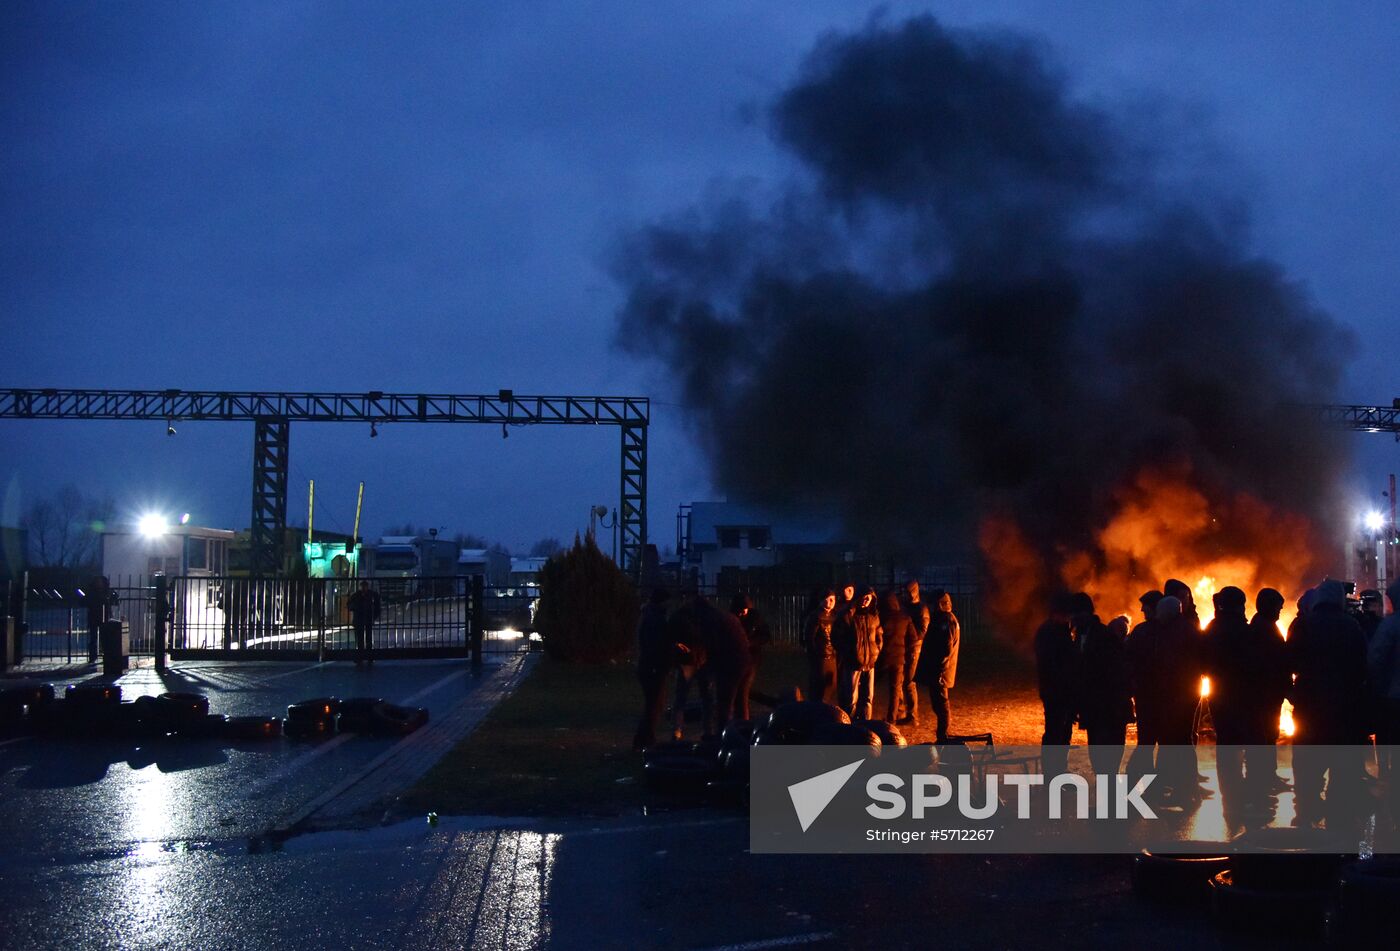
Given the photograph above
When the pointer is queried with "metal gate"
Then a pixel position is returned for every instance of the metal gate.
(57, 619)
(301, 618)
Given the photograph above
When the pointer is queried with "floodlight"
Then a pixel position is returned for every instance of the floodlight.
(151, 525)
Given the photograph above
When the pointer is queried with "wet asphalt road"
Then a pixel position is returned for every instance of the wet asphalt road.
(63, 800)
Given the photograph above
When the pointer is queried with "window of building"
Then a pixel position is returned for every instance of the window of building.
(760, 538)
(729, 538)
(196, 553)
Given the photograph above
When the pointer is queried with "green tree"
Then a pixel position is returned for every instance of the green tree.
(588, 607)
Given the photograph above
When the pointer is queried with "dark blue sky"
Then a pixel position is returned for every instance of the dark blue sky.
(423, 197)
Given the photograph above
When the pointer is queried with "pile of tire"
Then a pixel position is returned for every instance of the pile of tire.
(245, 729)
(1280, 881)
(680, 769)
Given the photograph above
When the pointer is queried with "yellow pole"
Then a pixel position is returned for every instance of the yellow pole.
(355, 535)
(310, 511)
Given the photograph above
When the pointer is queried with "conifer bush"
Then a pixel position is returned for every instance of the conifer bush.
(588, 607)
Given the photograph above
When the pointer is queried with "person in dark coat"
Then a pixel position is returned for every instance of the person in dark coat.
(364, 607)
(1105, 699)
(938, 661)
(817, 628)
(1383, 669)
(1275, 681)
(1372, 612)
(757, 633)
(1245, 665)
(913, 646)
(1165, 671)
(656, 655)
(727, 652)
(1057, 663)
(899, 629)
(1326, 655)
(858, 651)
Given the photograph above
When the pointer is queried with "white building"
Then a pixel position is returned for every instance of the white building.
(147, 550)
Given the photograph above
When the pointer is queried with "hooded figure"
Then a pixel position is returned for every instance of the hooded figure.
(938, 661)
(1326, 655)
(1105, 700)
(1165, 668)
(1057, 663)
(758, 635)
(1243, 662)
(1182, 592)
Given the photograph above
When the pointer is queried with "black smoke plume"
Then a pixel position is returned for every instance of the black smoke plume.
(976, 295)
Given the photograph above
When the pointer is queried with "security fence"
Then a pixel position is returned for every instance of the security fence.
(60, 622)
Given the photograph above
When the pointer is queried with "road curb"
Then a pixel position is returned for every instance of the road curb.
(403, 763)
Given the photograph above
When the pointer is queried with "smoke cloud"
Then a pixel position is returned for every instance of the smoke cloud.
(978, 304)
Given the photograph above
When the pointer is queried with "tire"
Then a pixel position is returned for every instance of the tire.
(798, 720)
(314, 709)
(708, 748)
(1284, 911)
(678, 775)
(357, 714)
(181, 712)
(392, 720)
(307, 726)
(727, 792)
(887, 732)
(208, 727)
(1176, 877)
(736, 733)
(669, 749)
(1368, 892)
(847, 734)
(93, 694)
(252, 728)
(60, 718)
(27, 696)
(1286, 858)
(734, 764)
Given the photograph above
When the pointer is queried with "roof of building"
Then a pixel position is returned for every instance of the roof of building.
(707, 518)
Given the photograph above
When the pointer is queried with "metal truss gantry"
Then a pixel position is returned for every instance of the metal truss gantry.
(273, 413)
(1363, 419)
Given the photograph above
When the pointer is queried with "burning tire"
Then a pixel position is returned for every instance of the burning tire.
(847, 734)
(1290, 911)
(357, 714)
(1174, 877)
(252, 728)
(388, 719)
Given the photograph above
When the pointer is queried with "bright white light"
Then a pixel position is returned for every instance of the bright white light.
(151, 525)
(1375, 521)
(185, 519)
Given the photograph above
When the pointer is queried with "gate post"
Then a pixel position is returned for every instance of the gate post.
(476, 620)
(158, 636)
(321, 621)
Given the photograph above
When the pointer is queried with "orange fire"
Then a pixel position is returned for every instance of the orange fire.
(1163, 525)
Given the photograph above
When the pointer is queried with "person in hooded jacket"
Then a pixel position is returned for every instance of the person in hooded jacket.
(899, 629)
(758, 634)
(1274, 681)
(693, 671)
(1165, 670)
(938, 661)
(1057, 663)
(1106, 700)
(861, 639)
(913, 646)
(817, 628)
(1326, 656)
(727, 650)
(1245, 664)
(1180, 590)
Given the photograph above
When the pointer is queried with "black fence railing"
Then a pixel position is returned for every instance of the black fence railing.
(59, 622)
(289, 617)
